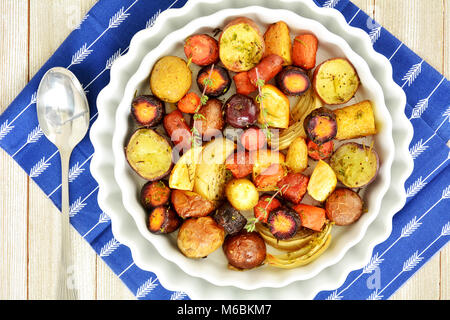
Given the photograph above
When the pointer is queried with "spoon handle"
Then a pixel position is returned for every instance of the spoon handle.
(66, 288)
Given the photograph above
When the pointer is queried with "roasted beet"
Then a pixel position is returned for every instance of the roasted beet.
(241, 111)
(202, 49)
(293, 81)
(293, 187)
(265, 206)
(147, 110)
(154, 194)
(320, 125)
(230, 219)
(284, 223)
(163, 220)
(216, 79)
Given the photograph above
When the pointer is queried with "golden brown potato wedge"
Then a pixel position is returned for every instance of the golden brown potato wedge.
(355, 121)
(322, 182)
(278, 41)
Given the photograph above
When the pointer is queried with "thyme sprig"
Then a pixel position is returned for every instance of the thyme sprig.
(208, 82)
(260, 99)
(251, 223)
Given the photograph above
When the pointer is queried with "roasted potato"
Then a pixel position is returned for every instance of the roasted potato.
(278, 41)
(320, 125)
(148, 110)
(253, 139)
(230, 219)
(163, 220)
(199, 237)
(344, 207)
(170, 79)
(355, 121)
(245, 250)
(211, 122)
(242, 194)
(210, 176)
(190, 204)
(241, 45)
(182, 176)
(274, 107)
(149, 154)
(335, 81)
(322, 182)
(297, 155)
(355, 165)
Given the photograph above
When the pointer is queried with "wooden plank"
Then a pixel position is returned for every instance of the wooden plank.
(50, 23)
(13, 189)
(421, 29)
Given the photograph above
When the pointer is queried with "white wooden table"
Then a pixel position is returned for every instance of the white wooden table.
(30, 31)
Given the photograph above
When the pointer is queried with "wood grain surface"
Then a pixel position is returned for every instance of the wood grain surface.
(30, 31)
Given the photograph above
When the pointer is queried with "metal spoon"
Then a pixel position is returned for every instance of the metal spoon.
(63, 114)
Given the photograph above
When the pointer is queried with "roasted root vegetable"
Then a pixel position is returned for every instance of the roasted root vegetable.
(239, 164)
(320, 151)
(242, 194)
(322, 181)
(178, 130)
(216, 80)
(245, 250)
(355, 165)
(316, 246)
(300, 240)
(312, 217)
(293, 187)
(202, 49)
(355, 121)
(210, 175)
(231, 220)
(266, 70)
(163, 220)
(154, 194)
(336, 81)
(297, 155)
(278, 41)
(253, 139)
(189, 103)
(304, 51)
(170, 79)
(264, 207)
(320, 125)
(267, 180)
(149, 154)
(293, 81)
(243, 84)
(241, 45)
(211, 122)
(274, 107)
(147, 110)
(190, 204)
(284, 223)
(262, 160)
(199, 237)
(182, 176)
(344, 207)
(241, 111)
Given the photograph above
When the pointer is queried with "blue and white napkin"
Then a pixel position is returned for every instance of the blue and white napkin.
(420, 230)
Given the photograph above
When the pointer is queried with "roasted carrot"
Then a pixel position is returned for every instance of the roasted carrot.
(202, 49)
(270, 176)
(312, 217)
(189, 103)
(320, 152)
(304, 51)
(293, 187)
(265, 206)
(243, 84)
(239, 164)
